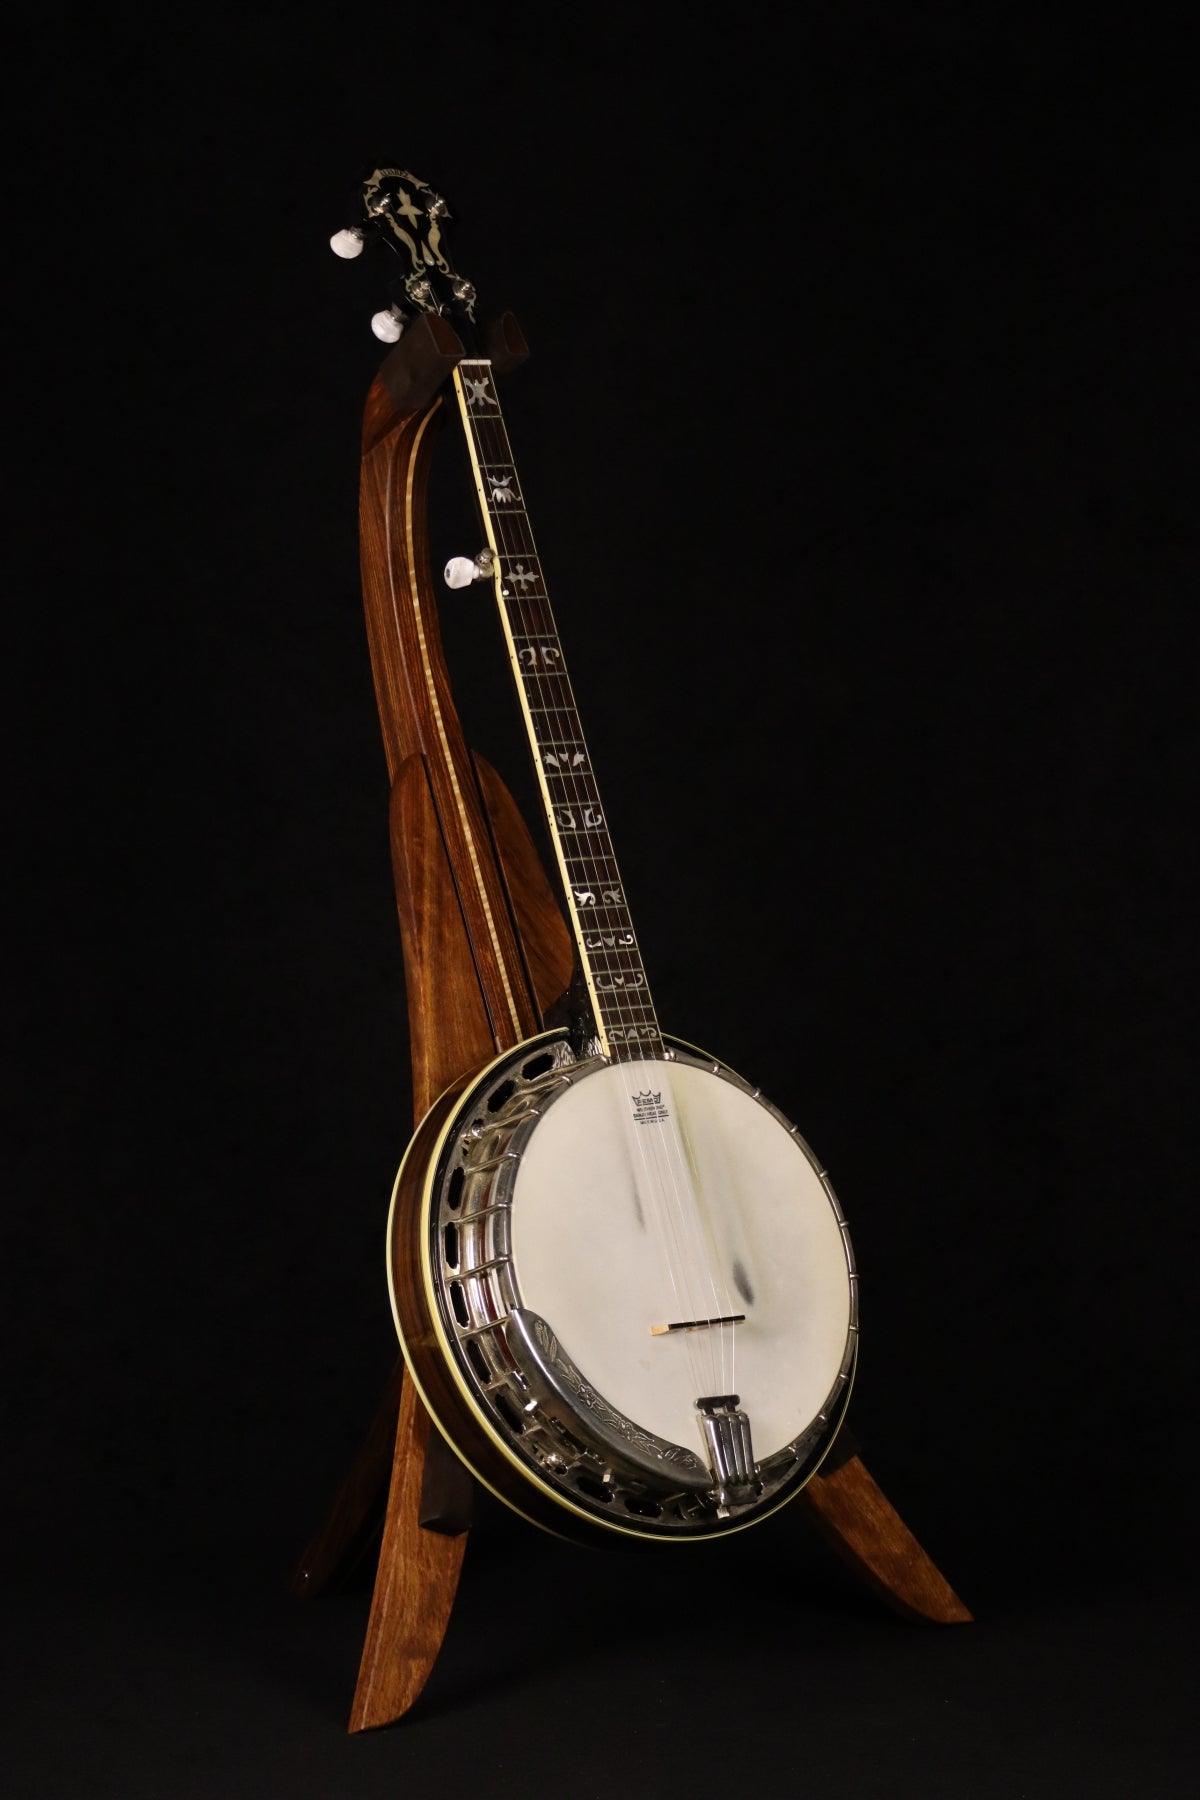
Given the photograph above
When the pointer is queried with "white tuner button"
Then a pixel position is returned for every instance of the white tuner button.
(347, 243)
(387, 325)
(460, 572)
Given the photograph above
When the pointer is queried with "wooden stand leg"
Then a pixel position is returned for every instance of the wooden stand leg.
(357, 1512)
(450, 1034)
(415, 1587)
(855, 1517)
(845, 1505)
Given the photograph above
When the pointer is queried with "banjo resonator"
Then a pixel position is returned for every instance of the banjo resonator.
(558, 1386)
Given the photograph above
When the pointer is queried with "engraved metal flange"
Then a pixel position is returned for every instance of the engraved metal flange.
(521, 1380)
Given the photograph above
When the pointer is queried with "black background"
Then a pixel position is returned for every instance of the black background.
(853, 436)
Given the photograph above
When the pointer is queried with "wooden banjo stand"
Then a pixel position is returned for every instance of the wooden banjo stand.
(487, 957)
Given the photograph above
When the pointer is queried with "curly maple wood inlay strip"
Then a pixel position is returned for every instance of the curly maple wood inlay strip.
(431, 688)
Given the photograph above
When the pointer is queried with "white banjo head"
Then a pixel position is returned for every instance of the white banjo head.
(643, 1285)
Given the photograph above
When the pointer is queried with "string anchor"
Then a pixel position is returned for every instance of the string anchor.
(461, 571)
(730, 1452)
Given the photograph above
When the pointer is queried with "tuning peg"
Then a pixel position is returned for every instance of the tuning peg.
(389, 324)
(461, 571)
(348, 243)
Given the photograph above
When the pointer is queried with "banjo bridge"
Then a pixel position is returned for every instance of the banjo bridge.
(730, 1452)
(697, 1325)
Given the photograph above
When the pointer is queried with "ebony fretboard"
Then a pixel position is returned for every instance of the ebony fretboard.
(595, 895)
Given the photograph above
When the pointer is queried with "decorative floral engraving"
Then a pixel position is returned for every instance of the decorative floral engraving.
(596, 1404)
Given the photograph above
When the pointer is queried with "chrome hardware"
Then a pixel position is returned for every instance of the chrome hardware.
(494, 1162)
(567, 1400)
(730, 1453)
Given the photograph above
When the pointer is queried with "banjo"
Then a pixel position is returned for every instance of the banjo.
(622, 1282)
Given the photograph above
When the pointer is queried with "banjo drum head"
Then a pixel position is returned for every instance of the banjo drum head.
(665, 1193)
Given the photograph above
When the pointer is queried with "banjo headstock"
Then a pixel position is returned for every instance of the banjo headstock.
(403, 213)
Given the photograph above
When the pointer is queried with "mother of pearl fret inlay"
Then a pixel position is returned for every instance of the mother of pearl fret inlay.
(608, 948)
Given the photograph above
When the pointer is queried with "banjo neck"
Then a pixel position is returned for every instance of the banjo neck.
(626, 1022)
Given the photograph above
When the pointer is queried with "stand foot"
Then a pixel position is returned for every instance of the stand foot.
(414, 1589)
(357, 1513)
(856, 1519)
